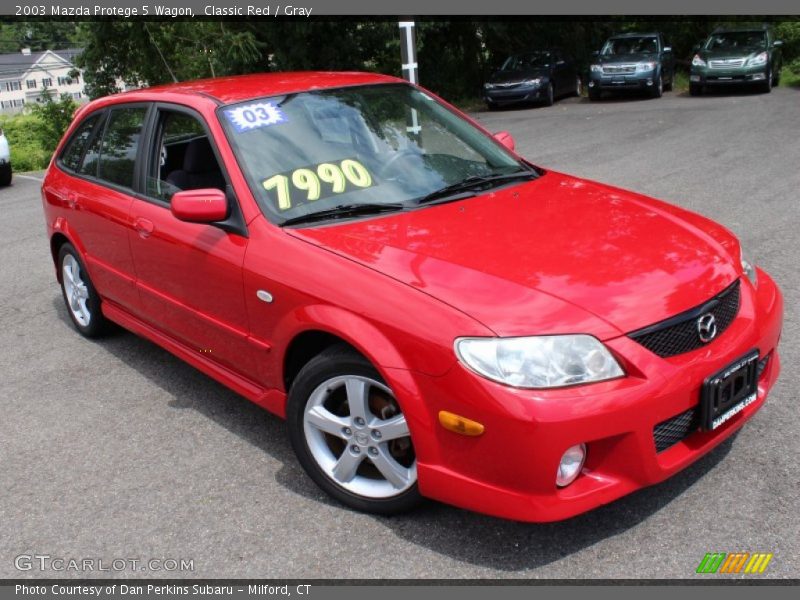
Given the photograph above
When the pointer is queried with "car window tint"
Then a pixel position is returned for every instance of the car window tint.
(183, 158)
(120, 142)
(72, 155)
(92, 154)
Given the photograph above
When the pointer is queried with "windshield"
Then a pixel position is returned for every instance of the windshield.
(746, 41)
(386, 144)
(630, 45)
(530, 60)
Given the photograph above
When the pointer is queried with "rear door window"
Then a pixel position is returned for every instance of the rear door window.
(117, 158)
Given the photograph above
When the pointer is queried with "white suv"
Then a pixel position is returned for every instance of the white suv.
(5, 161)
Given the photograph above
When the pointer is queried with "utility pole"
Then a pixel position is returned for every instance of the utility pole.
(409, 65)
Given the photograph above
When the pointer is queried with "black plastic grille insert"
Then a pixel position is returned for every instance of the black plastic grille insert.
(678, 334)
(668, 433)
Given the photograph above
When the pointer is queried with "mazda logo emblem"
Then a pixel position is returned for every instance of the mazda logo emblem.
(707, 328)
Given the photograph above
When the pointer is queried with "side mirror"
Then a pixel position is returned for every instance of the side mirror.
(667, 48)
(596, 53)
(506, 139)
(199, 206)
(777, 43)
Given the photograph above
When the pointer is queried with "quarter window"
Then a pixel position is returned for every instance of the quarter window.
(120, 143)
(73, 152)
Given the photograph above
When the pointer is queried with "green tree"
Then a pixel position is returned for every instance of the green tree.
(52, 119)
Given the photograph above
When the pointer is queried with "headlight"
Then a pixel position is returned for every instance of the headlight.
(759, 59)
(534, 82)
(488, 86)
(539, 362)
(596, 68)
(749, 267)
(698, 62)
(645, 66)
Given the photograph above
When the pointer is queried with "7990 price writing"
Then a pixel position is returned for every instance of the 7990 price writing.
(311, 183)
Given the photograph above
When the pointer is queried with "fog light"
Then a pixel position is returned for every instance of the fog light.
(649, 82)
(694, 77)
(591, 84)
(757, 76)
(571, 464)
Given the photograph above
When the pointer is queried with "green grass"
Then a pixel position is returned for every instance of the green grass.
(789, 78)
(681, 82)
(27, 152)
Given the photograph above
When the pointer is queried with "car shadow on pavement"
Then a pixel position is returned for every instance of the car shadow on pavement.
(459, 534)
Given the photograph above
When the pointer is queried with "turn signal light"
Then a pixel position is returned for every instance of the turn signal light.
(459, 424)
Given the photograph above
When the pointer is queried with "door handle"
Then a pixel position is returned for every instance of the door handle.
(72, 200)
(144, 227)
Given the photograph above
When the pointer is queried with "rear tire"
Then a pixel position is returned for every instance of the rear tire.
(82, 300)
(668, 86)
(350, 434)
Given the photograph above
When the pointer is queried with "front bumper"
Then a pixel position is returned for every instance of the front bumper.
(509, 471)
(512, 95)
(629, 81)
(729, 76)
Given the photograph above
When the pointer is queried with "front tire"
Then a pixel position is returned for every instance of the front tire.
(594, 94)
(766, 87)
(658, 87)
(5, 175)
(578, 87)
(549, 96)
(82, 300)
(350, 435)
(695, 89)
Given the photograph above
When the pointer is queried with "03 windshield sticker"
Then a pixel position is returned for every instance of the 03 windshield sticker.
(253, 116)
(315, 182)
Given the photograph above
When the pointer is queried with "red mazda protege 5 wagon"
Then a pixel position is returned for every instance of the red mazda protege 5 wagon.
(432, 314)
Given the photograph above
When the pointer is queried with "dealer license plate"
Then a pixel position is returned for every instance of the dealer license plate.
(728, 391)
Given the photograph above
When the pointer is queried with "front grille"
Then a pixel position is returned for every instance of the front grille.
(668, 433)
(679, 334)
(726, 63)
(615, 69)
(507, 86)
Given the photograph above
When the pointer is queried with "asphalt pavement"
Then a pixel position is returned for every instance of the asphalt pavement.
(116, 449)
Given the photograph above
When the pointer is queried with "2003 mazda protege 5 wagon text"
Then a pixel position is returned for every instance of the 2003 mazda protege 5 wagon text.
(433, 315)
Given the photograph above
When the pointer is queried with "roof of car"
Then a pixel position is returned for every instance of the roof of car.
(245, 87)
(634, 34)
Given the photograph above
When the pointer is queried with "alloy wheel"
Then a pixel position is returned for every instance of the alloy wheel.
(359, 438)
(76, 290)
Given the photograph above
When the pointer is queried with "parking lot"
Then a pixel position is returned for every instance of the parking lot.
(116, 449)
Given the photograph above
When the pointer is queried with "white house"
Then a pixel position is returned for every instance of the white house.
(24, 75)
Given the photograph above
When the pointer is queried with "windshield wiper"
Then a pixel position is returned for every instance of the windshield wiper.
(455, 191)
(343, 211)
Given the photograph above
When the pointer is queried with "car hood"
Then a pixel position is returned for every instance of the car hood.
(554, 255)
(627, 59)
(516, 76)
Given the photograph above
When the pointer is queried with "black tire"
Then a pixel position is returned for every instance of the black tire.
(668, 86)
(5, 175)
(97, 325)
(491, 106)
(578, 87)
(549, 97)
(766, 87)
(334, 362)
(658, 87)
(594, 94)
(776, 79)
(695, 89)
